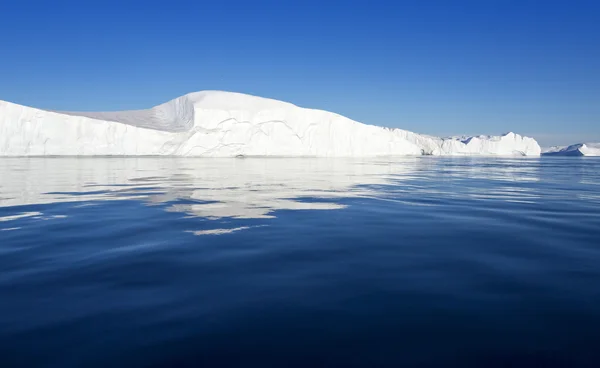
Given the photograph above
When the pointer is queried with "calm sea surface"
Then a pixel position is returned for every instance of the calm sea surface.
(167, 262)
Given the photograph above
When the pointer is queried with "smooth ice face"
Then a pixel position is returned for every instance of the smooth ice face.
(579, 149)
(225, 124)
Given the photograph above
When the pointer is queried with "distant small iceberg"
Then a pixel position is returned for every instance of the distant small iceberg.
(577, 150)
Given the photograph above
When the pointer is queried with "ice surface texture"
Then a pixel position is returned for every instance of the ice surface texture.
(226, 124)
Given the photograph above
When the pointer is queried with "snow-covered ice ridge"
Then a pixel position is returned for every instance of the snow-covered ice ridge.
(579, 149)
(226, 124)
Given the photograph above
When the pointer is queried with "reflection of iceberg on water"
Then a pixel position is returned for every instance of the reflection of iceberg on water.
(212, 189)
(220, 190)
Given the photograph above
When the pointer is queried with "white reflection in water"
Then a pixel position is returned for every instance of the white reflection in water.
(22, 215)
(247, 188)
(222, 231)
(255, 188)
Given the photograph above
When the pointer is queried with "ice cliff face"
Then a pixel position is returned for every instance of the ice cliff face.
(225, 124)
(579, 149)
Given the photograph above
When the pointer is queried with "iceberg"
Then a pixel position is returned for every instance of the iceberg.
(579, 149)
(227, 124)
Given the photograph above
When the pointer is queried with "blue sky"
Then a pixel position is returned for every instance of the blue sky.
(435, 67)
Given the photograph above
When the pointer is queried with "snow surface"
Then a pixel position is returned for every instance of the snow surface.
(579, 149)
(226, 124)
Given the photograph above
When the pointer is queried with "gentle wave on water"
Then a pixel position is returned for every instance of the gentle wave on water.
(299, 262)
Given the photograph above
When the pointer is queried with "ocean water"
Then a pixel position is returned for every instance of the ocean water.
(177, 262)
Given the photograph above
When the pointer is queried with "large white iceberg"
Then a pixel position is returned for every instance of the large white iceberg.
(225, 124)
(579, 149)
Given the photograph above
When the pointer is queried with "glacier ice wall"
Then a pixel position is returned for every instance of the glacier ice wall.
(225, 124)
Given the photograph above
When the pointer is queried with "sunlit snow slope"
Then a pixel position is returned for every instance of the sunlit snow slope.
(225, 124)
(579, 149)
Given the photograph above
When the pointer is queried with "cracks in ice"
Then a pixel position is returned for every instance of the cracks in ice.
(177, 143)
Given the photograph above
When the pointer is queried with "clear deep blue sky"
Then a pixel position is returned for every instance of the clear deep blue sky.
(436, 67)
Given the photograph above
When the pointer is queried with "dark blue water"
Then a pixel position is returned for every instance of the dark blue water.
(147, 262)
